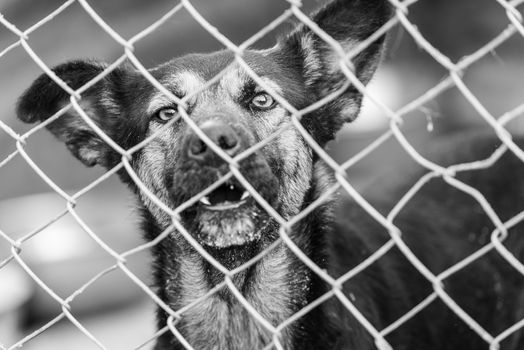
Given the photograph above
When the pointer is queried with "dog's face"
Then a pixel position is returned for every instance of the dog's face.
(234, 112)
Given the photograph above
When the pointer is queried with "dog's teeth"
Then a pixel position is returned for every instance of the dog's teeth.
(205, 200)
(244, 195)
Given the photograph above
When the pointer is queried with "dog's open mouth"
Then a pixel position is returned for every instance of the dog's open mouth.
(225, 197)
(228, 216)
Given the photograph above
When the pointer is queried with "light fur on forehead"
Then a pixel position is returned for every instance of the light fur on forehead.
(234, 79)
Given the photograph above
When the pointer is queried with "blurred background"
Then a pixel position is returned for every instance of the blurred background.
(114, 309)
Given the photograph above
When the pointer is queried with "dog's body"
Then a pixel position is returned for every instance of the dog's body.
(441, 224)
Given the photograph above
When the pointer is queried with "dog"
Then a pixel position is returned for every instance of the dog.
(441, 225)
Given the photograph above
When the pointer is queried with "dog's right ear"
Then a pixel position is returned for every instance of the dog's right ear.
(101, 102)
(348, 22)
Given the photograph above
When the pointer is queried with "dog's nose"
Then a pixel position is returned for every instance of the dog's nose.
(223, 135)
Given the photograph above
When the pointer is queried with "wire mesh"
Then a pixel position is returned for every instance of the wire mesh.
(396, 117)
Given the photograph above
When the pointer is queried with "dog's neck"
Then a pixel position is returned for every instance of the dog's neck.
(265, 286)
(276, 287)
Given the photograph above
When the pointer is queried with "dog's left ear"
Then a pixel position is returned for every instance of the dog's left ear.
(349, 22)
(103, 102)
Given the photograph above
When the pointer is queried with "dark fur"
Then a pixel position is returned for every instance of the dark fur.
(440, 224)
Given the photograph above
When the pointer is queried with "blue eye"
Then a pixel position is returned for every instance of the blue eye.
(166, 114)
(262, 101)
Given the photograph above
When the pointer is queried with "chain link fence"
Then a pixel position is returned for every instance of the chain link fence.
(396, 118)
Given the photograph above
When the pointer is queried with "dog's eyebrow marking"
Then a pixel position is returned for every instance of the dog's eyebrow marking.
(234, 80)
(182, 83)
(271, 84)
(239, 84)
(189, 82)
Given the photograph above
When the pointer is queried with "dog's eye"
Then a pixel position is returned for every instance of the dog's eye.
(262, 101)
(166, 114)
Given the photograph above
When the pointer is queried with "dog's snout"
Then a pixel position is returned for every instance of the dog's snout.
(223, 135)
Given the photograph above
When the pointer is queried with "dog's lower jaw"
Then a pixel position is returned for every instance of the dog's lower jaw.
(233, 227)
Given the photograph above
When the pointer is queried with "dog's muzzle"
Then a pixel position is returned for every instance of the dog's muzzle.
(227, 196)
(229, 215)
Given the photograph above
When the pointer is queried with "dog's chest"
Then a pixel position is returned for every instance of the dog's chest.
(225, 323)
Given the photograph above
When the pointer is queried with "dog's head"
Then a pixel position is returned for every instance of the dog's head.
(234, 112)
